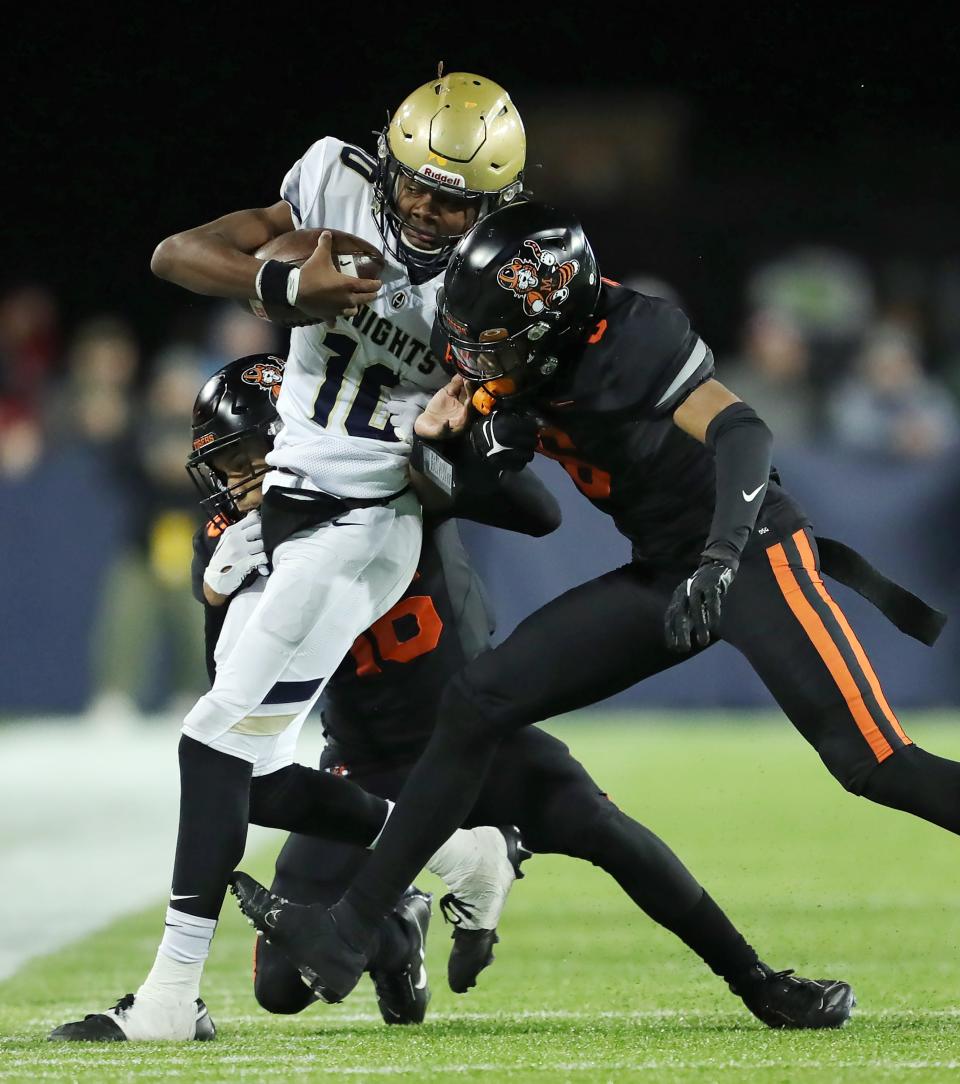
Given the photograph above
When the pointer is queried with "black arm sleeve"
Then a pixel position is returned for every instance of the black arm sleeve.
(213, 616)
(512, 500)
(199, 565)
(519, 502)
(741, 444)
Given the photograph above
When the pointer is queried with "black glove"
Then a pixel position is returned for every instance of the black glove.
(504, 440)
(693, 616)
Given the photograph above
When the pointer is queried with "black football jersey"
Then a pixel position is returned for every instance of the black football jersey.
(204, 543)
(608, 421)
(382, 700)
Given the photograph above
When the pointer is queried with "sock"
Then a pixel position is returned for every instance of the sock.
(172, 980)
(186, 938)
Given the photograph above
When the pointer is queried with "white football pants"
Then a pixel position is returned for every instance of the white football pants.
(285, 636)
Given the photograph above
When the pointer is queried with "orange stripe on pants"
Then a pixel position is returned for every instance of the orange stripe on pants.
(807, 559)
(822, 641)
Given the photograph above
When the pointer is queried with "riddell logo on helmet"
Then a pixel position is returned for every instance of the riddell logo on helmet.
(441, 175)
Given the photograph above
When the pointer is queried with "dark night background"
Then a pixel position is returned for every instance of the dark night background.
(784, 124)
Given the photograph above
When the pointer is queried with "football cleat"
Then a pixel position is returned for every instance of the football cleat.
(782, 1000)
(307, 934)
(403, 994)
(140, 1019)
(474, 908)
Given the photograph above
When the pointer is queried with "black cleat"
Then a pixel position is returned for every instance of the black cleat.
(145, 1024)
(308, 935)
(782, 1000)
(472, 947)
(403, 994)
(472, 951)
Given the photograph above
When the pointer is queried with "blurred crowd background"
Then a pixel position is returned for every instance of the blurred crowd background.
(834, 365)
(795, 197)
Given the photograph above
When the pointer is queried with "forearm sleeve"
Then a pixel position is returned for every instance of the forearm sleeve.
(519, 502)
(741, 444)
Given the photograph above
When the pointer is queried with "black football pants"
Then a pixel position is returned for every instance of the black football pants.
(605, 636)
(535, 784)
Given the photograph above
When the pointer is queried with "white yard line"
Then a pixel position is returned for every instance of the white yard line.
(88, 825)
(309, 1064)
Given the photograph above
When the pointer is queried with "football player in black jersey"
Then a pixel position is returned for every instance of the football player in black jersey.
(620, 389)
(379, 711)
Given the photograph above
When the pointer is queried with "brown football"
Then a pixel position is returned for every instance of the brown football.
(353, 256)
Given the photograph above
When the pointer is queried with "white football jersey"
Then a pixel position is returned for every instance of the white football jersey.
(336, 429)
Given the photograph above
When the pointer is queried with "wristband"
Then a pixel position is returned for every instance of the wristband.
(271, 281)
(293, 287)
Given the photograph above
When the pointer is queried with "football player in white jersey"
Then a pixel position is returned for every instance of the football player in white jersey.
(339, 524)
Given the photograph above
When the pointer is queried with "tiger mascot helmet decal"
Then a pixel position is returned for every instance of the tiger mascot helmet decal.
(266, 375)
(538, 279)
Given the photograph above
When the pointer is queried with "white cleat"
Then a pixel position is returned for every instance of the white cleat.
(479, 890)
(140, 1018)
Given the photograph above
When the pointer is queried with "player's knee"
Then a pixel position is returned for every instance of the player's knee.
(266, 796)
(579, 820)
(469, 714)
(600, 823)
(277, 984)
(846, 762)
(895, 780)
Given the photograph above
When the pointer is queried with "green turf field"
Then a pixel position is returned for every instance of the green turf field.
(585, 988)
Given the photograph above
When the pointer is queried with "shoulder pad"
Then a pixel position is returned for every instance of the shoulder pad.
(641, 354)
(303, 185)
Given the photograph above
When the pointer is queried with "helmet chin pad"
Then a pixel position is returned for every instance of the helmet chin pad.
(485, 398)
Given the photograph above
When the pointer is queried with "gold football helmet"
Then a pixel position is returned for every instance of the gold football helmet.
(459, 134)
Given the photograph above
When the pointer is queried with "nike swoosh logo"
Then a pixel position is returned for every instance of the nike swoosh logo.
(193, 896)
(421, 980)
(748, 497)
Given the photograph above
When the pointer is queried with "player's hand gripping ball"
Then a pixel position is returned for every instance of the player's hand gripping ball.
(338, 273)
(693, 616)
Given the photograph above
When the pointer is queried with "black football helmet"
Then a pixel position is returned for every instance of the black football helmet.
(237, 403)
(521, 285)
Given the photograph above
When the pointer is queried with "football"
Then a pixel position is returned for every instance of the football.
(352, 255)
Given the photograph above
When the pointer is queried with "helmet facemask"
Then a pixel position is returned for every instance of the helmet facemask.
(219, 497)
(524, 359)
(423, 260)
